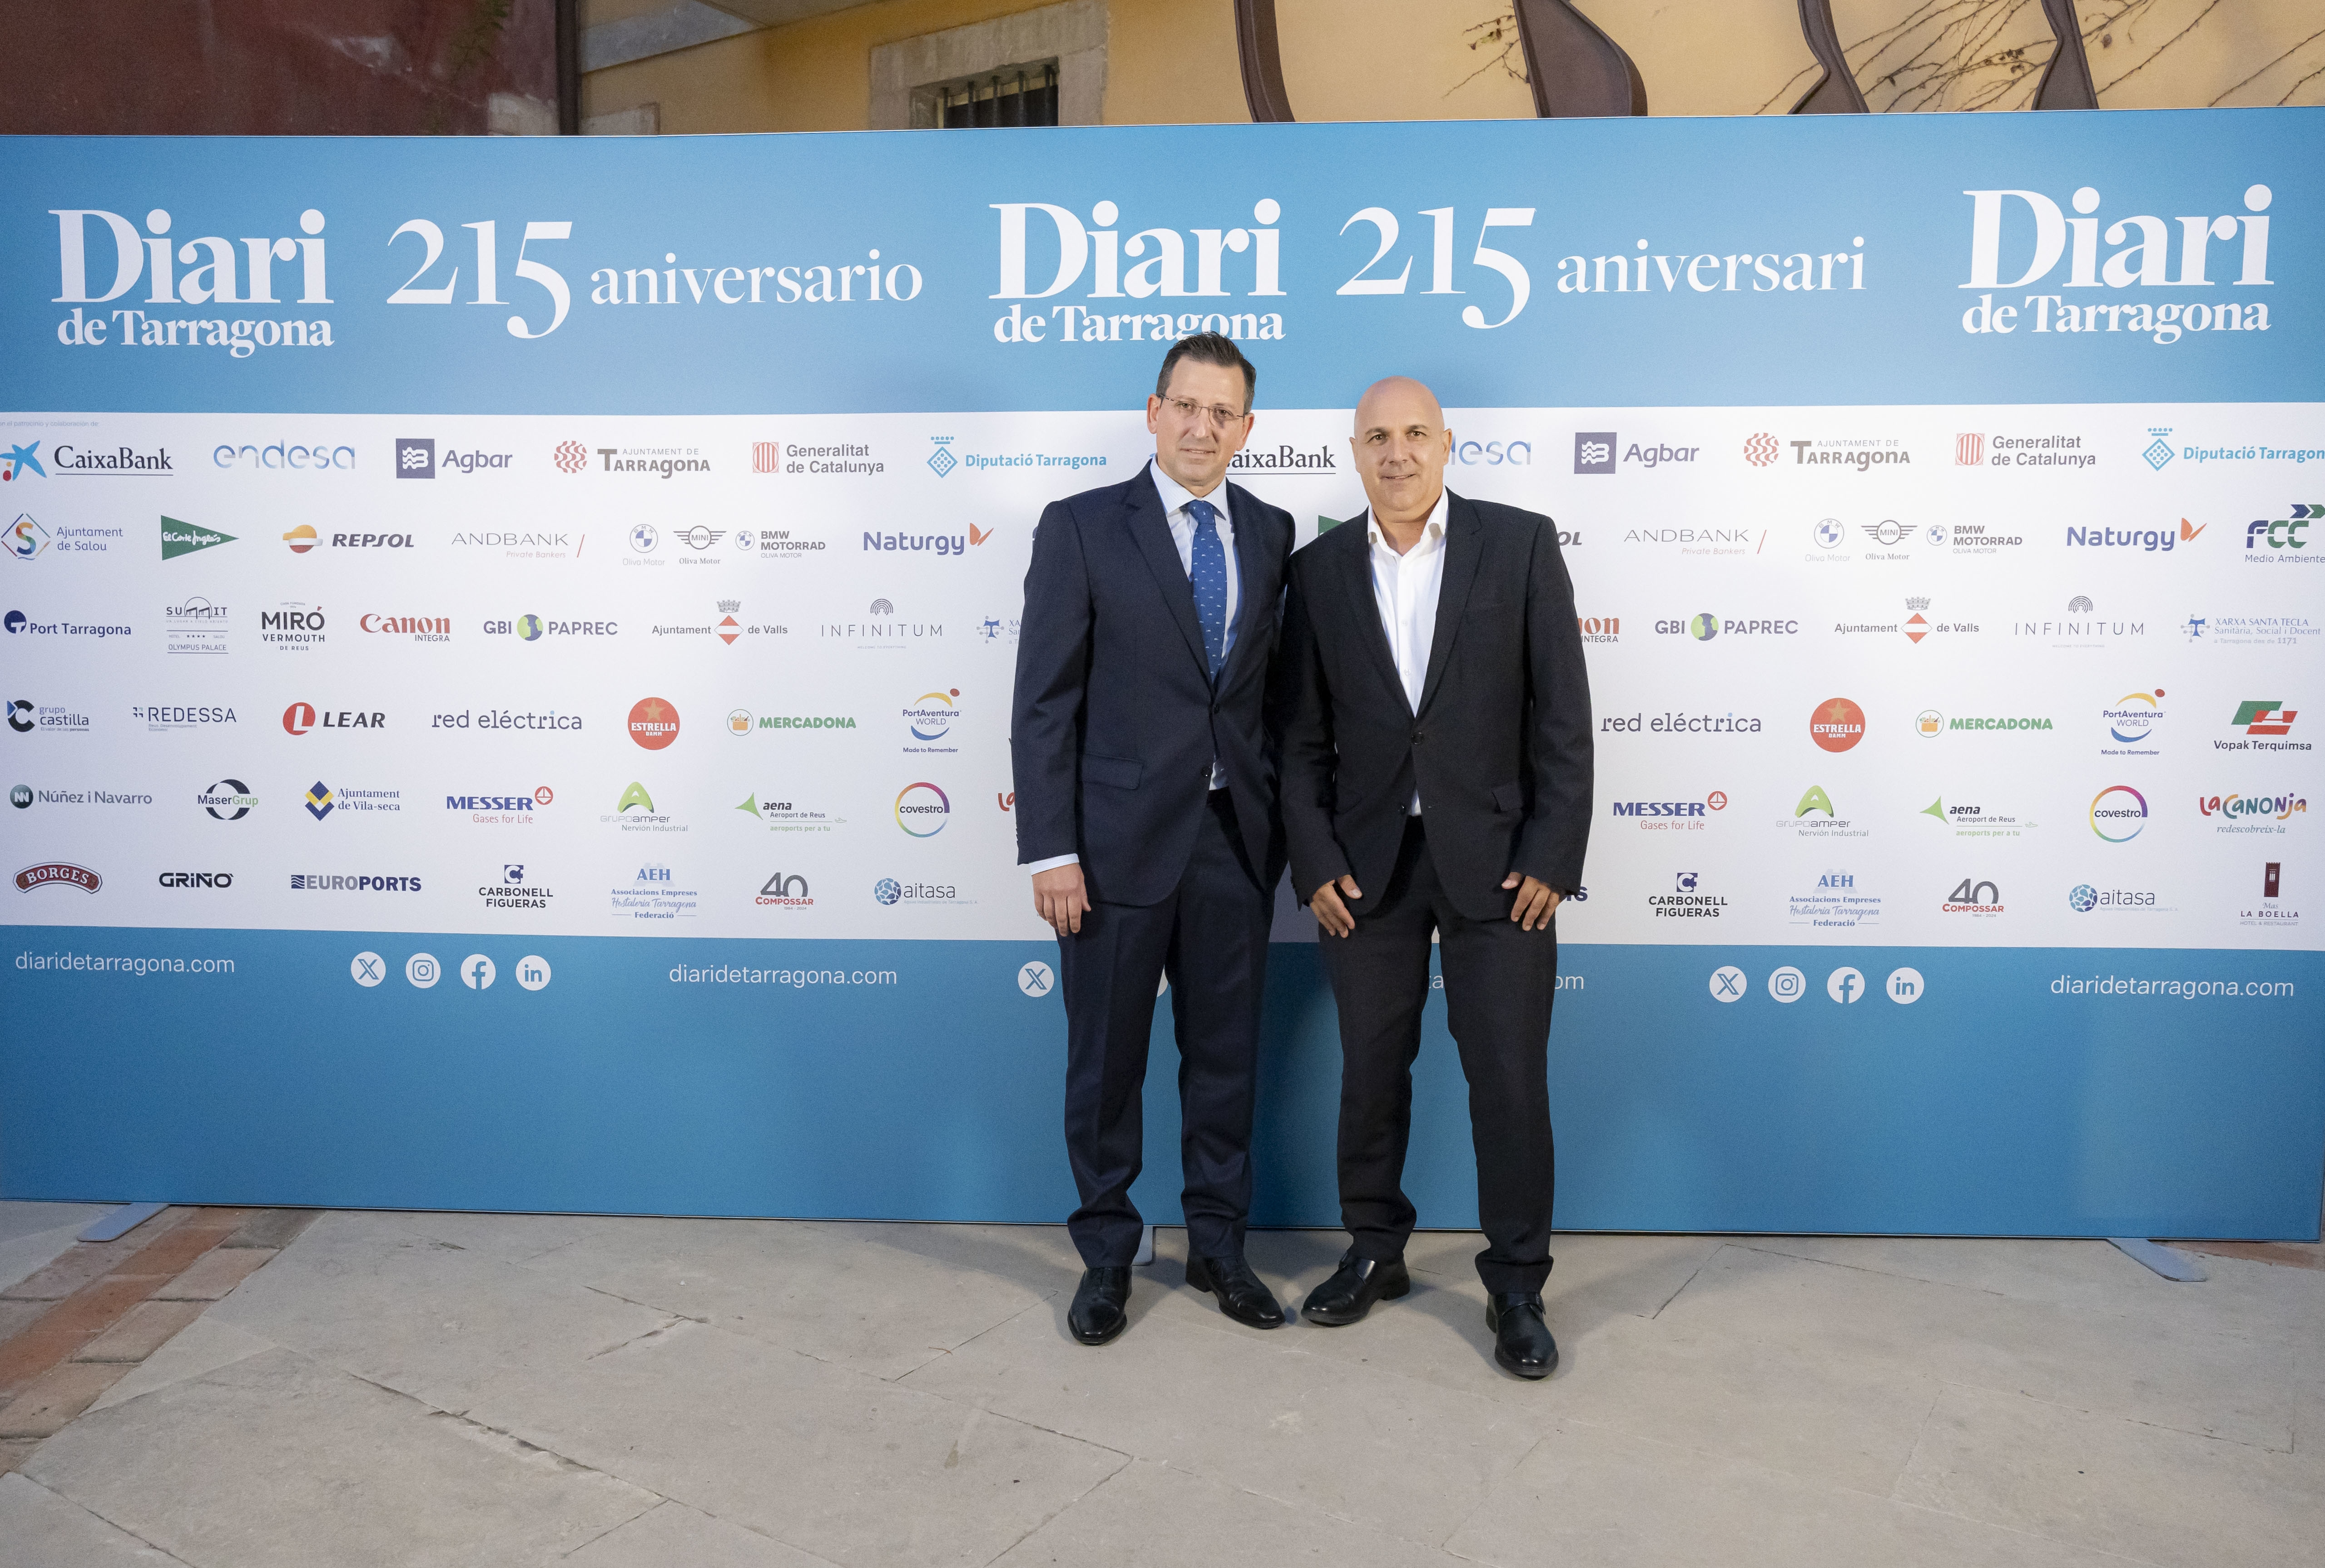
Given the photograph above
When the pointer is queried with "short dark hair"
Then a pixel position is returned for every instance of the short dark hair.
(1209, 348)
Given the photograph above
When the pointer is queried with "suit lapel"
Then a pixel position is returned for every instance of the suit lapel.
(1246, 550)
(1465, 547)
(1356, 577)
(1153, 536)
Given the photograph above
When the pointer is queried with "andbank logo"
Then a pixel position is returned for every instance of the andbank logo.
(1998, 220)
(1034, 233)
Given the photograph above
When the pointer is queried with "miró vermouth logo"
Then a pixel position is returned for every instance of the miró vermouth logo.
(216, 273)
(1053, 247)
(2014, 229)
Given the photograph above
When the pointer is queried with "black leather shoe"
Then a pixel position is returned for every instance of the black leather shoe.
(1353, 1288)
(1098, 1312)
(1522, 1341)
(1241, 1295)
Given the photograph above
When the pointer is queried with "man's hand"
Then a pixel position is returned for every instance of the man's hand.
(1535, 902)
(1330, 912)
(1059, 898)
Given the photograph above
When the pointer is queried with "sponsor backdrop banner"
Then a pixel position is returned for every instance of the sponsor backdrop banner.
(509, 649)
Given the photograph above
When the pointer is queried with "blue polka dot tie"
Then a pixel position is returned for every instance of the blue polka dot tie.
(1209, 576)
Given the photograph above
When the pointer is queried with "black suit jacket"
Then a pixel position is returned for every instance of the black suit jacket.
(1501, 746)
(1115, 721)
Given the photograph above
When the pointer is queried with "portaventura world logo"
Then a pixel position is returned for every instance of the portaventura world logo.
(1998, 230)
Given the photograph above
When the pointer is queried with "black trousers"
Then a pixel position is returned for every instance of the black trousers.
(1211, 938)
(1499, 981)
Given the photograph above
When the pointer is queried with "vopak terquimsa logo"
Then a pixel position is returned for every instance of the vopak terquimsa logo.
(103, 251)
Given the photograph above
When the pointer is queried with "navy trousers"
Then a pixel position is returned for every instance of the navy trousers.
(1211, 938)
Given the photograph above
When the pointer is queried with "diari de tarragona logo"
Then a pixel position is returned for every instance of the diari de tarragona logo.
(2118, 812)
(922, 810)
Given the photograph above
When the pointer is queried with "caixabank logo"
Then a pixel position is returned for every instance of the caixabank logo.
(2026, 232)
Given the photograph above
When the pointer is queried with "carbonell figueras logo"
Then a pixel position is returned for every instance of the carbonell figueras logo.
(218, 272)
(2146, 258)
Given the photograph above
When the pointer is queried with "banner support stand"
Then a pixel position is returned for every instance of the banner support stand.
(2164, 1260)
(120, 1223)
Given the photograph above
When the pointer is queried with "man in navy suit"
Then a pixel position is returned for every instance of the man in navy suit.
(1145, 779)
(1436, 777)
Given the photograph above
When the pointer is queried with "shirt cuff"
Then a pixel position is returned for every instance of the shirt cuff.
(1036, 867)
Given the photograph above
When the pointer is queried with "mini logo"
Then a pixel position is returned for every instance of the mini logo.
(922, 810)
(300, 539)
(415, 458)
(319, 799)
(420, 970)
(2159, 450)
(766, 457)
(1828, 533)
(183, 538)
(1727, 984)
(2118, 812)
(942, 462)
(1594, 452)
(58, 874)
(1036, 979)
(887, 890)
(644, 537)
(699, 537)
(1969, 450)
(1888, 530)
(477, 972)
(368, 969)
(21, 459)
(654, 723)
(27, 538)
(572, 457)
(229, 800)
(1837, 725)
(1760, 450)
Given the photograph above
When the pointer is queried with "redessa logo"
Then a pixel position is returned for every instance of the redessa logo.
(302, 717)
(2118, 812)
(2144, 263)
(654, 723)
(1671, 815)
(184, 538)
(2260, 721)
(58, 874)
(1837, 725)
(1598, 451)
(922, 810)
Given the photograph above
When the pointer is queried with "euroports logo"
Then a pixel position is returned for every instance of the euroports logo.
(922, 810)
(2118, 812)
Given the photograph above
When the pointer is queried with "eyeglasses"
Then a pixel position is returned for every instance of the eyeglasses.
(1187, 408)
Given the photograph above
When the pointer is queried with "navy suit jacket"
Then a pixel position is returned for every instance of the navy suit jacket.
(1115, 720)
(1501, 746)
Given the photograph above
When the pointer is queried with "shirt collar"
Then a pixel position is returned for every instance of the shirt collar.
(1175, 495)
(1432, 533)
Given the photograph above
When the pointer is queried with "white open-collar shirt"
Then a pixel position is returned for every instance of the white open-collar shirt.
(1406, 591)
(1175, 496)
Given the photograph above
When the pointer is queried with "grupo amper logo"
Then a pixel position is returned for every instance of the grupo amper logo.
(1837, 725)
(58, 874)
(2118, 812)
(922, 810)
(654, 723)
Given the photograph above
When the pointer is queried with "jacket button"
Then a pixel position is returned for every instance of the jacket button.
(1418, 738)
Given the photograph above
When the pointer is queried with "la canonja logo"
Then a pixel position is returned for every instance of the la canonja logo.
(1760, 449)
(2118, 812)
(572, 457)
(1837, 725)
(922, 810)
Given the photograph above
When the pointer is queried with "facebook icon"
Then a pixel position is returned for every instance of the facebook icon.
(1844, 985)
(477, 972)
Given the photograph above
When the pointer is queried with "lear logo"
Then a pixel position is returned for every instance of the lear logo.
(2264, 717)
(930, 716)
(319, 799)
(1761, 449)
(2284, 533)
(415, 458)
(1816, 800)
(1837, 725)
(2118, 812)
(654, 723)
(300, 717)
(922, 810)
(21, 459)
(1969, 450)
(183, 538)
(1594, 452)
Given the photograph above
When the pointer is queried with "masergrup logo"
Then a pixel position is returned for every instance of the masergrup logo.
(922, 810)
(2118, 813)
(654, 723)
(58, 874)
(1837, 725)
(229, 800)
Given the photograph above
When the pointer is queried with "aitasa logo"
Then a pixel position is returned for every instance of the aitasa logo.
(2118, 812)
(1837, 725)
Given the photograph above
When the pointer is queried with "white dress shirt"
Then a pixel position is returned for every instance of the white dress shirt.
(1405, 589)
(1175, 496)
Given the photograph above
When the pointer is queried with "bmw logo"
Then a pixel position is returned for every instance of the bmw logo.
(644, 538)
(1935, 534)
(1830, 533)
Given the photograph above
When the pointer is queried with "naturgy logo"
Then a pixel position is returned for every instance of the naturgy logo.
(1100, 250)
(214, 275)
(2144, 262)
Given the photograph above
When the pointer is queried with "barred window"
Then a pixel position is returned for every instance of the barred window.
(1013, 95)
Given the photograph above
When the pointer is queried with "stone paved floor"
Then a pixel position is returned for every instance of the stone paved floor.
(454, 1390)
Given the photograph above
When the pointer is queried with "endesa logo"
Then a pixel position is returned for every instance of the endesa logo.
(302, 717)
(285, 456)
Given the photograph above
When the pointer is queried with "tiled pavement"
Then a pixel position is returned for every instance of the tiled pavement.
(453, 1389)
